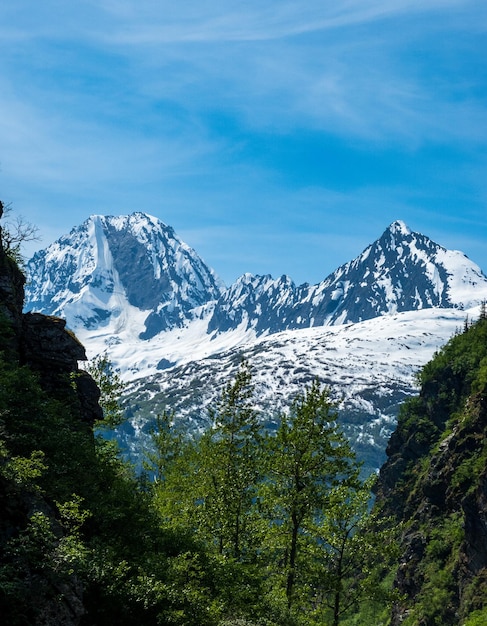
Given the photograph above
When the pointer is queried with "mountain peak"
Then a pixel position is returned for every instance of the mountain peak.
(130, 279)
(114, 268)
(398, 227)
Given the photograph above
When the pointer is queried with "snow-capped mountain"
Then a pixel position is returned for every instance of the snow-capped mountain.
(130, 287)
(113, 271)
(401, 271)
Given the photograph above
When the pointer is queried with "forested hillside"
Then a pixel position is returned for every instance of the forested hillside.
(435, 483)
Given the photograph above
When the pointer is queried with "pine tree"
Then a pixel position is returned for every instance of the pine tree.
(483, 313)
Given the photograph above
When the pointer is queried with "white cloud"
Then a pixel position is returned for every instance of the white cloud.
(135, 105)
(153, 22)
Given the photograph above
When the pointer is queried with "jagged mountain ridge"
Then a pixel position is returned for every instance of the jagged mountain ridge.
(401, 271)
(130, 285)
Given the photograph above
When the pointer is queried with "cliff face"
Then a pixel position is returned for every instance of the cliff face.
(43, 343)
(435, 483)
(47, 408)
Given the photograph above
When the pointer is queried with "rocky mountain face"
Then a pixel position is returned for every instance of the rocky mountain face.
(434, 483)
(110, 267)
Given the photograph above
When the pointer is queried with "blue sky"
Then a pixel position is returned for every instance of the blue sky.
(275, 137)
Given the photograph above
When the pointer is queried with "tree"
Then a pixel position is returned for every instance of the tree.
(15, 232)
(307, 457)
(171, 464)
(167, 445)
(110, 384)
(229, 468)
(351, 543)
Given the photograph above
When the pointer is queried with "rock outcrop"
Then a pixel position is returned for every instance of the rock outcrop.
(43, 343)
(39, 344)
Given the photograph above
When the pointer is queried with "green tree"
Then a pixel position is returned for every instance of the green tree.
(307, 457)
(102, 371)
(353, 546)
(229, 468)
(172, 470)
(167, 445)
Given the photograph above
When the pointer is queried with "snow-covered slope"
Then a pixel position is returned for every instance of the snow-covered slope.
(370, 367)
(128, 285)
(122, 276)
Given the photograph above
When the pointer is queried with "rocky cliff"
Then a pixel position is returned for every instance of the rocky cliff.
(47, 409)
(435, 483)
(43, 343)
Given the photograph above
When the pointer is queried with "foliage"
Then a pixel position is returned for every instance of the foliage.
(102, 371)
(265, 507)
(236, 526)
(352, 549)
(306, 459)
(477, 618)
(229, 468)
(15, 231)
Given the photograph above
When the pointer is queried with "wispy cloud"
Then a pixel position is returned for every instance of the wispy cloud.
(266, 117)
(156, 23)
(253, 63)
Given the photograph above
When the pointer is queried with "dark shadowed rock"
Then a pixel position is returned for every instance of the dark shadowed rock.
(45, 339)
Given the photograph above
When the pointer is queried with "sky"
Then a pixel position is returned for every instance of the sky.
(275, 137)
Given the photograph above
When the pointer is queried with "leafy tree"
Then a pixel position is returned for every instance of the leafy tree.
(307, 457)
(102, 371)
(172, 467)
(352, 547)
(167, 446)
(229, 466)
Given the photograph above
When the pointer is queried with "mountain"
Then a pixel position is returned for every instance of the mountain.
(111, 269)
(401, 271)
(129, 286)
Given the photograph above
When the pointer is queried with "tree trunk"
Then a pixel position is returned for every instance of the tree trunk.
(291, 576)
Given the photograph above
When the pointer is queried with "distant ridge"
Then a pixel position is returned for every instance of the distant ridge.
(130, 281)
